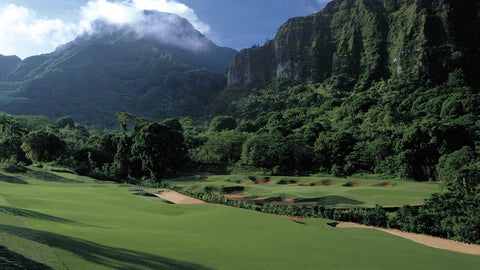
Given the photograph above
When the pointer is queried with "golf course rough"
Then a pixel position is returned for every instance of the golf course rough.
(86, 224)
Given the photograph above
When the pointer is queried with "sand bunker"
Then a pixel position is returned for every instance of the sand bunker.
(262, 183)
(427, 240)
(384, 185)
(293, 217)
(255, 199)
(306, 203)
(284, 202)
(177, 198)
(235, 196)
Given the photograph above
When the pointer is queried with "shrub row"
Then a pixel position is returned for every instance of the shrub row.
(369, 216)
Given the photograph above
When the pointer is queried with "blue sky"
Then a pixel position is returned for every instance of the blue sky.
(243, 23)
(31, 27)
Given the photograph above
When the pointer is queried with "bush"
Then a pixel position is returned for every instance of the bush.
(232, 189)
(40, 146)
(221, 123)
(349, 184)
(326, 182)
(286, 182)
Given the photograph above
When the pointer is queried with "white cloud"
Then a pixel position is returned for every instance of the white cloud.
(24, 33)
(173, 7)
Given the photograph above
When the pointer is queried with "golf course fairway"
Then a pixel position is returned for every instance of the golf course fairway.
(74, 222)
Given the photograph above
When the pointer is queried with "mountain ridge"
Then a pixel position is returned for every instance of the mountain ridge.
(367, 40)
(7, 64)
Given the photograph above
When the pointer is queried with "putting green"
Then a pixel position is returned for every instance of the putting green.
(328, 191)
(97, 225)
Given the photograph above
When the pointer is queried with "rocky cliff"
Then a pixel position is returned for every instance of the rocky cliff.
(367, 40)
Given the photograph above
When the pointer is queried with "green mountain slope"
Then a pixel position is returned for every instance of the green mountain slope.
(7, 64)
(154, 72)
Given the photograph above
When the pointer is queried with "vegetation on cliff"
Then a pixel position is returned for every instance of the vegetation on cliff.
(362, 41)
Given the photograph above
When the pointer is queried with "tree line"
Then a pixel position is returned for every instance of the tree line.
(139, 151)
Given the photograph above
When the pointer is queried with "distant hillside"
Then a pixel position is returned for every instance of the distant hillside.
(158, 68)
(7, 64)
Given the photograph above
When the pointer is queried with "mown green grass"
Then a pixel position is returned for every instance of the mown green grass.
(336, 195)
(95, 225)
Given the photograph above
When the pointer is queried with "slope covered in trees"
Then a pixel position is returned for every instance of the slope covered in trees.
(159, 68)
(7, 64)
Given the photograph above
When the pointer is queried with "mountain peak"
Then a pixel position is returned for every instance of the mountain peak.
(7, 64)
(160, 27)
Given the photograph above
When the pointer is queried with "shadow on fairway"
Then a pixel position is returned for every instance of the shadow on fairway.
(49, 177)
(33, 174)
(12, 260)
(37, 215)
(12, 179)
(116, 258)
(331, 200)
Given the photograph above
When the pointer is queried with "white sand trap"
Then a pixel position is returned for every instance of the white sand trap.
(426, 240)
(178, 198)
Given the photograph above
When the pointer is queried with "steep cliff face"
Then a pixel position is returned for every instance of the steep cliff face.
(367, 40)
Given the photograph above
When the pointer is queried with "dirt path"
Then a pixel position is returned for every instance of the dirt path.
(177, 198)
(430, 241)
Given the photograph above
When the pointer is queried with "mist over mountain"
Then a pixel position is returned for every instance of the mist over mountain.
(158, 66)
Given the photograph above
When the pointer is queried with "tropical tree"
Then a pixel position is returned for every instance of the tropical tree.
(40, 146)
(160, 149)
